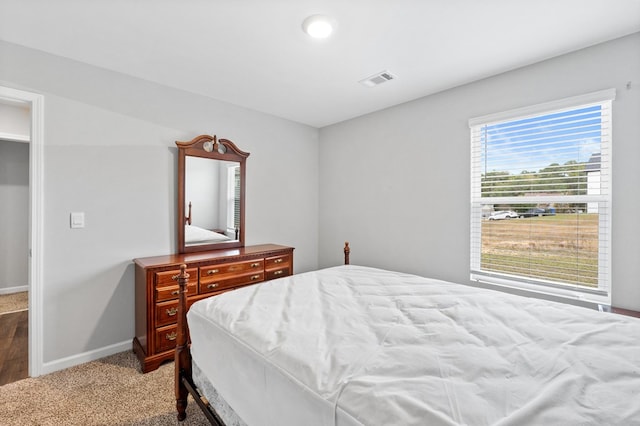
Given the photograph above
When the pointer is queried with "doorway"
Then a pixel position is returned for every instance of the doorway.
(34, 103)
(14, 245)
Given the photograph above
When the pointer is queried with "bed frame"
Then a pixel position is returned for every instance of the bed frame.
(187, 219)
(184, 384)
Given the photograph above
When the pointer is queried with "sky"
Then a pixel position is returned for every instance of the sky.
(534, 143)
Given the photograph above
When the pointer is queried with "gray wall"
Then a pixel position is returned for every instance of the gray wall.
(395, 183)
(14, 215)
(109, 151)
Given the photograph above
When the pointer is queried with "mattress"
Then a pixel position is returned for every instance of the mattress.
(362, 346)
(194, 235)
(206, 388)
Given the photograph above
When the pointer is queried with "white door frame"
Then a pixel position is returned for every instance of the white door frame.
(36, 220)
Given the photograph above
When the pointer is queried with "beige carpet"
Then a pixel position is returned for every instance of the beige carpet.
(14, 302)
(110, 391)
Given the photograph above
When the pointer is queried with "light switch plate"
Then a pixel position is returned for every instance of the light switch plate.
(77, 219)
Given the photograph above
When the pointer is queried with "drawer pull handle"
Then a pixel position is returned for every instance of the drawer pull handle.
(254, 277)
(280, 272)
(255, 265)
(212, 271)
(175, 292)
(278, 260)
(172, 336)
(171, 312)
(213, 285)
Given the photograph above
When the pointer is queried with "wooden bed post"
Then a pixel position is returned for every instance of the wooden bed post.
(183, 355)
(347, 250)
(188, 218)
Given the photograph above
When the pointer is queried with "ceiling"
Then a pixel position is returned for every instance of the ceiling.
(253, 53)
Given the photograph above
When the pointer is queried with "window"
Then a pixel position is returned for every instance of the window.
(541, 197)
(233, 196)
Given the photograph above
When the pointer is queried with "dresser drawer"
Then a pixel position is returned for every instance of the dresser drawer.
(166, 338)
(230, 281)
(283, 271)
(277, 266)
(166, 313)
(209, 273)
(276, 262)
(172, 292)
(165, 278)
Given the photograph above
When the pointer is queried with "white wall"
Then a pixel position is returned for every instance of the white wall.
(417, 156)
(14, 215)
(15, 121)
(202, 189)
(109, 151)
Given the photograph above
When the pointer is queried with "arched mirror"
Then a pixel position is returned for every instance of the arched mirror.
(211, 182)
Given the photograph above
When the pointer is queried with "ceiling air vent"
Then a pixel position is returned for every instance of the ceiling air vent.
(377, 79)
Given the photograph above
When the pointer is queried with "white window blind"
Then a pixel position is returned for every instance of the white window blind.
(233, 197)
(541, 197)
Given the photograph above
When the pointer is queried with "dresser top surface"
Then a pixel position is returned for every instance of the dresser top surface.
(179, 258)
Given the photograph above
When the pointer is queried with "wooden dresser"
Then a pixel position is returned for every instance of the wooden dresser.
(210, 273)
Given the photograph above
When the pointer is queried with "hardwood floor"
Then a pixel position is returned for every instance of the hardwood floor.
(625, 312)
(14, 346)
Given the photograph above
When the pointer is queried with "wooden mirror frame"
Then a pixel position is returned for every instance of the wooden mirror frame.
(196, 148)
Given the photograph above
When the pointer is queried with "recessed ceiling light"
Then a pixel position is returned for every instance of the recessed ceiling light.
(318, 26)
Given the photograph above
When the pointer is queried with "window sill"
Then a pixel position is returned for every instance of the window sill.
(560, 294)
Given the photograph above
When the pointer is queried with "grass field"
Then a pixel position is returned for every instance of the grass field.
(561, 248)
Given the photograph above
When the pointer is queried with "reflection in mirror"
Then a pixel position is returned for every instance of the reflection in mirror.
(210, 194)
(212, 191)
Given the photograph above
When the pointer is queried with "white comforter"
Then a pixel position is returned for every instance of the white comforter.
(353, 345)
(196, 235)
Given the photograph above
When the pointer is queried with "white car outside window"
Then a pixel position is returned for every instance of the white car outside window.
(503, 215)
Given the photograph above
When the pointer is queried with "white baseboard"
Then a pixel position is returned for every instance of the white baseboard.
(71, 361)
(11, 290)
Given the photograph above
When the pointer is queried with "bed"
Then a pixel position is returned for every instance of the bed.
(194, 235)
(353, 345)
